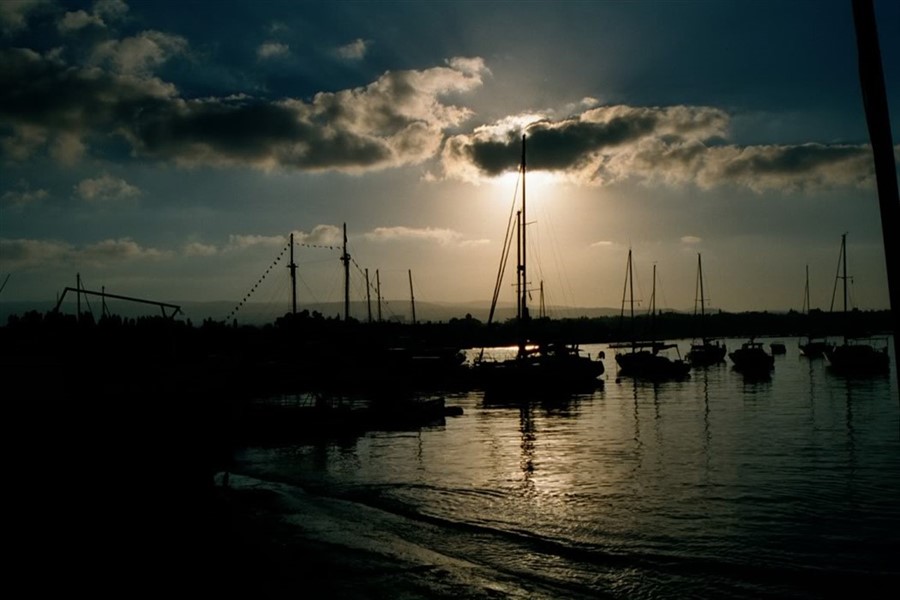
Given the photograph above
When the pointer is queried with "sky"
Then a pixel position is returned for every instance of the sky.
(167, 150)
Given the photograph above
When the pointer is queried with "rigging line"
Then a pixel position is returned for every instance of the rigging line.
(562, 275)
(661, 292)
(87, 298)
(504, 253)
(235, 310)
(837, 276)
(316, 246)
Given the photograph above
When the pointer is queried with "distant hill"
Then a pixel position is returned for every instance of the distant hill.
(261, 313)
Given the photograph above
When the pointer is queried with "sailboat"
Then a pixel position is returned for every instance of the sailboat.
(642, 359)
(854, 356)
(814, 346)
(539, 365)
(705, 352)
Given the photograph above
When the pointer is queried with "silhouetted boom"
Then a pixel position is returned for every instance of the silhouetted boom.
(162, 305)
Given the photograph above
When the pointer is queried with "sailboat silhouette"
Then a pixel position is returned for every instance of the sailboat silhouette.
(854, 356)
(540, 365)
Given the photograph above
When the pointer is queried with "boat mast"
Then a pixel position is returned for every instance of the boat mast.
(519, 265)
(293, 268)
(702, 297)
(653, 310)
(631, 298)
(543, 309)
(368, 296)
(345, 258)
(378, 292)
(806, 306)
(412, 298)
(844, 257)
(78, 296)
(522, 224)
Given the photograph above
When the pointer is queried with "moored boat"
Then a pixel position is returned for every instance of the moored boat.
(857, 355)
(642, 359)
(539, 366)
(704, 351)
(752, 359)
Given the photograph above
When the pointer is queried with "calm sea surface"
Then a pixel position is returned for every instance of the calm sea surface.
(713, 487)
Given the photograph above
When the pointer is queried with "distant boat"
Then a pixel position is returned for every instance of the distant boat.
(642, 359)
(855, 356)
(752, 359)
(778, 348)
(539, 366)
(814, 346)
(704, 352)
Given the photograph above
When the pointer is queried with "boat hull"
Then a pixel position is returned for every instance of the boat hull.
(858, 359)
(706, 354)
(644, 364)
(538, 374)
(752, 359)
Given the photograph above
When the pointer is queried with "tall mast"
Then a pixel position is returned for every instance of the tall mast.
(78, 296)
(844, 258)
(543, 310)
(293, 268)
(522, 269)
(806, 306)
(378, 292)
(653, 307)
(368, 296)
(702, 297)
(345, 258)
(631, 296)
(412, 298)
(519, 265)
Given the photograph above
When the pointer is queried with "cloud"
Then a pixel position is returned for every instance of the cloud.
(272, 50)
(355, 50)
(23, 196)
(431, 234)
(140, 54)
(110, 9)
(106, 190)
(690, 239)
(74, 21)
(200, 249)
(14, 13)
(67, 148)
(678, 145)
(43, 100)
(397, 120)
(321, 235)
(111, 251)
(23, 254)
(104, 10)
(238, 242)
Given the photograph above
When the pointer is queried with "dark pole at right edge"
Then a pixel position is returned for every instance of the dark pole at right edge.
(874, 96)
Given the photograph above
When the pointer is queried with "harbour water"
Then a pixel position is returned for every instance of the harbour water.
(712, 487)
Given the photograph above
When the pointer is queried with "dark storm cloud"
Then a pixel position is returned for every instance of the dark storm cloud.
(673, 145)
(396, 120)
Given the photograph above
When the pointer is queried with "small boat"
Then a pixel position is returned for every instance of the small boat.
(857, 355)
(543, 367)
(752, 359)
(643, 360)
(778, 348)
(706, 351)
